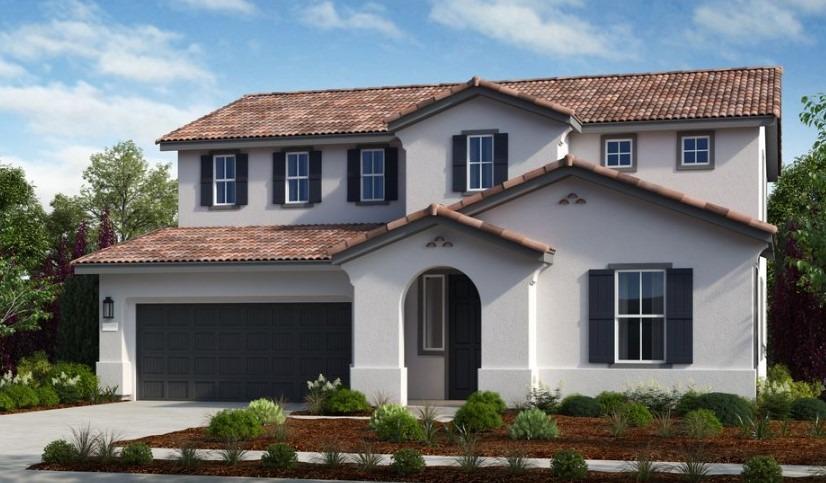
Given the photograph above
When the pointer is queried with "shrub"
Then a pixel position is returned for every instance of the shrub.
(106, 448)
(232, 454)
(664, 423)
(188, 457)
(136, 454)
(22, 396)
(407, 461)
(73, 382)
(762, 469)
(567, 464)
(478, 416)
(84, 442)
(756, 428)
(488, 397)
(517, 463)
(654, 397)
(694, 469)
(234, 424)
(618, 422)
(638, 415)
(6, 402)
(775, 406)
(643, 469)
(580, 406)
(267, 412)
(47, 396)
(428, 416)
(729, 408)
(59, 452)
(610, 401)
(779, 381)
(533, 424)
(367, 459)
(392, 422)
(808, 409)
(701, 424)
(540, 397)
(317, 392)
(345, 401)
(687, 402)
(331, 455)
(279, 456)
(37, 365)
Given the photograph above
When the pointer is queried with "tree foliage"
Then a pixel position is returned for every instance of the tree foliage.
(23, 299)
(22, 233)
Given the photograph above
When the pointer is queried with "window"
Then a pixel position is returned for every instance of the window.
(640, 315)
(224, 184)
(433, 313)
(695, 150)
(372, 175)
(298, 177)
(619, 153)
(480, 162)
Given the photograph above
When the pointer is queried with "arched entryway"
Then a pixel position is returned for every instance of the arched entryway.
(442, 335)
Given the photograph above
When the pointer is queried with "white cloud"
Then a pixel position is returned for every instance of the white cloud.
(538, 26)
(752, 21)
(10, 70)
(243, 7)
(326, 16)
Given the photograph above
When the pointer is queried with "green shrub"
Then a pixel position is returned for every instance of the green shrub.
(47, 396)
(59, 452)
(22, 396)
(701, 424)
(234, 424)
(77, 332)
(638, 415)
(775, 406)
(488, 397)
(477, 416)
(136, 454)
(280, 456)
(654, 397)
(779, 381)
(37, 365)
(6, 402)
(762, 469)
(407, 461)
(540, 397)
(730, 409)
(580, 406)
(73, 382)
(610, 401)
(345, 401)
(808, 409)
(267, 412)
(687, 402)
(392, 422)
(533, 424)
(567, 464)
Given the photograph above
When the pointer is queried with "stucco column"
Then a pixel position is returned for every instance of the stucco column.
(113, 367)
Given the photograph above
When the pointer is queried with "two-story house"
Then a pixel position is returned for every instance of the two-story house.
(426, 241)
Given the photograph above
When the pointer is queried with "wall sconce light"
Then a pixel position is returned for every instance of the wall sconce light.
(108, 308)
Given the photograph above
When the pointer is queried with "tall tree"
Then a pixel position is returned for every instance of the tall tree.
(138, 198)
(23, 299)
(22, 233)
(67, 214)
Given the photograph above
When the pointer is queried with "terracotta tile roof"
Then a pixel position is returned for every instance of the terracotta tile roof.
(572, 161)
(437, 210)
(228, 244)
(739, 92)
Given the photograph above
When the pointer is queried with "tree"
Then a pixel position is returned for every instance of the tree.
(67, 214)
(22, 233)
(77, 332)
(138, 198)
(23, 299)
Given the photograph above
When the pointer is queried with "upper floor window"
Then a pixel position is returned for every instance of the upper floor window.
(224, 182)
(695, 150)
(480, 162)
(298, 177)
(372, 175)
(618, 152)
(640, 315)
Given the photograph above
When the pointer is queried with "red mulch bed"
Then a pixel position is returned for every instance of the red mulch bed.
(589, 436)
(57, 406)
(350, 472)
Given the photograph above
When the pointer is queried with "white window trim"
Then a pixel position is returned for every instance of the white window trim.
(372, 175)
(630, 152)
(288, 178)
(216, 180)
(480, 164)
(695, 150)
(618, 316)
(425, 311)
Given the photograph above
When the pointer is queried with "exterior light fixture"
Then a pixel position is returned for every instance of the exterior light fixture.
(108, 308)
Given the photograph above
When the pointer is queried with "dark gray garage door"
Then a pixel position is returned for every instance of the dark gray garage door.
(238, 352)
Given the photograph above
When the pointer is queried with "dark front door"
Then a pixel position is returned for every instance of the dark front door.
(239, 352)
(464, 337)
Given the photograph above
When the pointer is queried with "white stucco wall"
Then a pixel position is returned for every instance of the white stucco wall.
(425, 372)
(734, 182)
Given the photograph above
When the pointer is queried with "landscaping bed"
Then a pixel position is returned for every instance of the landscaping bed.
(589, 436)
(57, 406)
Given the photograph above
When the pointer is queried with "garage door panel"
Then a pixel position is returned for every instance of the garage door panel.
(178, 366)
(205, 390)
(205, 316)
(204, 366)
(205, 341)
(258, 341)
(178, 390)
(230, 341)
(153, 389)
(178, 341)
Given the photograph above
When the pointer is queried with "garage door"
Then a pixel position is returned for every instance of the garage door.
(238, 352)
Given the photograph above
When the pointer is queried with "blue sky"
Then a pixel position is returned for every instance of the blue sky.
(76, 76)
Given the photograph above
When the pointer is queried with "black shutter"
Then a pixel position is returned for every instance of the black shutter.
(460, 163)
(391, 174)
(241, 177)
(279, 172)
(500, 158)
(679, 312)
(353, 175)
(601, 316)
(315, 176)
(206, 180)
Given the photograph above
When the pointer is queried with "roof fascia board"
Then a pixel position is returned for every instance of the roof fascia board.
(280, 141)
(473, 92)
(198, 267)
(677, 124)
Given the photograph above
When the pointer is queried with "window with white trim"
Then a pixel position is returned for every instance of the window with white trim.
(298, 177)
(372, 175)
(479, 162)
(696, 150)
(434, 308)
(224, 181)
(619, 153)
(640, 315)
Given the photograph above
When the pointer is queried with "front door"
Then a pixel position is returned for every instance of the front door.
(464, 337)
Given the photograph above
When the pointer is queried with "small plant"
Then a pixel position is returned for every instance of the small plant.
(106, 394)
(728, 408)
(490, 398)
(580, 406)
(478, 416)
(136, 454)
(267, 412)
(664, 423)
(317, 392)
(279, 456)
(775, 406)
(379, 399)
(610, 401)
(367, 459)
(280, 433)
(59, 452)
(233, 454)
(654, 397)
(642, 469)
(701, 424)
(817, 428)
(567, 464)
(46, 396)
(464, 437)
(315, 402)
(533, 424)
(785, 428)
(762, 469)
(22, 395)
(517, 463)
(428, 416)
(37, 365)
(756, 428)
(234, 424)
(345, 401)
(638, 415)
(540, 397)
(331, 456)
(407, 461)
(106, 447)
(808, 409)
(617, 423)
(392, 422)
(694, 469)
(73, 382)
(188, 457)
(85, 442)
